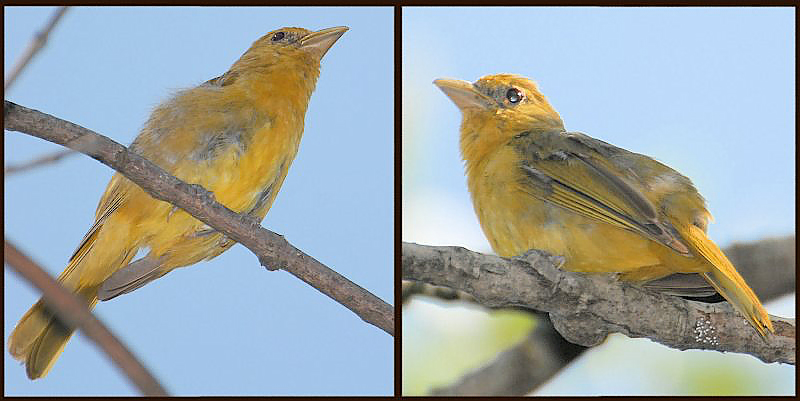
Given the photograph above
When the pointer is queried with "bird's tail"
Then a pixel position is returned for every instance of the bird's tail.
(40, 337)
(727, 281)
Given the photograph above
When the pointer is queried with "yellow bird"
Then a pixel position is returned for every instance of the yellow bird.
(236, 135)
(536, 186)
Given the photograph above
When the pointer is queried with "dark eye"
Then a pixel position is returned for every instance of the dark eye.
(278, 36)
(514, 95)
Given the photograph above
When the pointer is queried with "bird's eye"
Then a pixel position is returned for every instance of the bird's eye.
(514, 95)
(278, 36)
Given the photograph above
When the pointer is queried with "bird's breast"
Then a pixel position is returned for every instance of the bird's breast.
(253, 178)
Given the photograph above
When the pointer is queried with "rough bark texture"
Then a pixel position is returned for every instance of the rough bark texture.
(586, 308)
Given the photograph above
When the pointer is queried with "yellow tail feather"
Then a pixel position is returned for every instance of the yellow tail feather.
(727, 281)
(40, 337)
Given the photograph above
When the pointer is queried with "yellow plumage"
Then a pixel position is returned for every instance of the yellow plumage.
(605, 209)
(236, 135)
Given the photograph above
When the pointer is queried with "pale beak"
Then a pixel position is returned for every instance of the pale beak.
(464, 94)
(318, 43)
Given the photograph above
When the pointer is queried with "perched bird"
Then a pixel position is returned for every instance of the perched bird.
(236, 135)
(536, 186)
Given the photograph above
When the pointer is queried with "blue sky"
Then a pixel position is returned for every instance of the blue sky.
(226, 326)
(708, 91)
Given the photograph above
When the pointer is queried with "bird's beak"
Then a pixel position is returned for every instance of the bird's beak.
(463, 94)
(318, 43)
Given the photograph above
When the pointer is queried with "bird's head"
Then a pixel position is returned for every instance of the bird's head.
(284, 62)
(503, 104)
(286, 50)
(296, 43)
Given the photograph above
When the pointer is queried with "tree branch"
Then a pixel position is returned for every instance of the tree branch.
(768, 266)
(38, 162)
(586, 308)
(36, 44)
(273, 251)
(513, 372)
(74, 313)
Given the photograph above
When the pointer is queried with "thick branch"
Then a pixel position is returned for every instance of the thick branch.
(768, 265)
(273, 251)
(586, 308)
(515, 371)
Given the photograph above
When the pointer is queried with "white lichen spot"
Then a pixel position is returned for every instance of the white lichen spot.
(704, 332)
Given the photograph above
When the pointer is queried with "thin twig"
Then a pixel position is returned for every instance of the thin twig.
(36, 44)
(273, 251)
(39, 161)
(74, 313)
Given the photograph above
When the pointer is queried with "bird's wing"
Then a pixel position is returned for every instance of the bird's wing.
(114, 196)
(574, 174)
